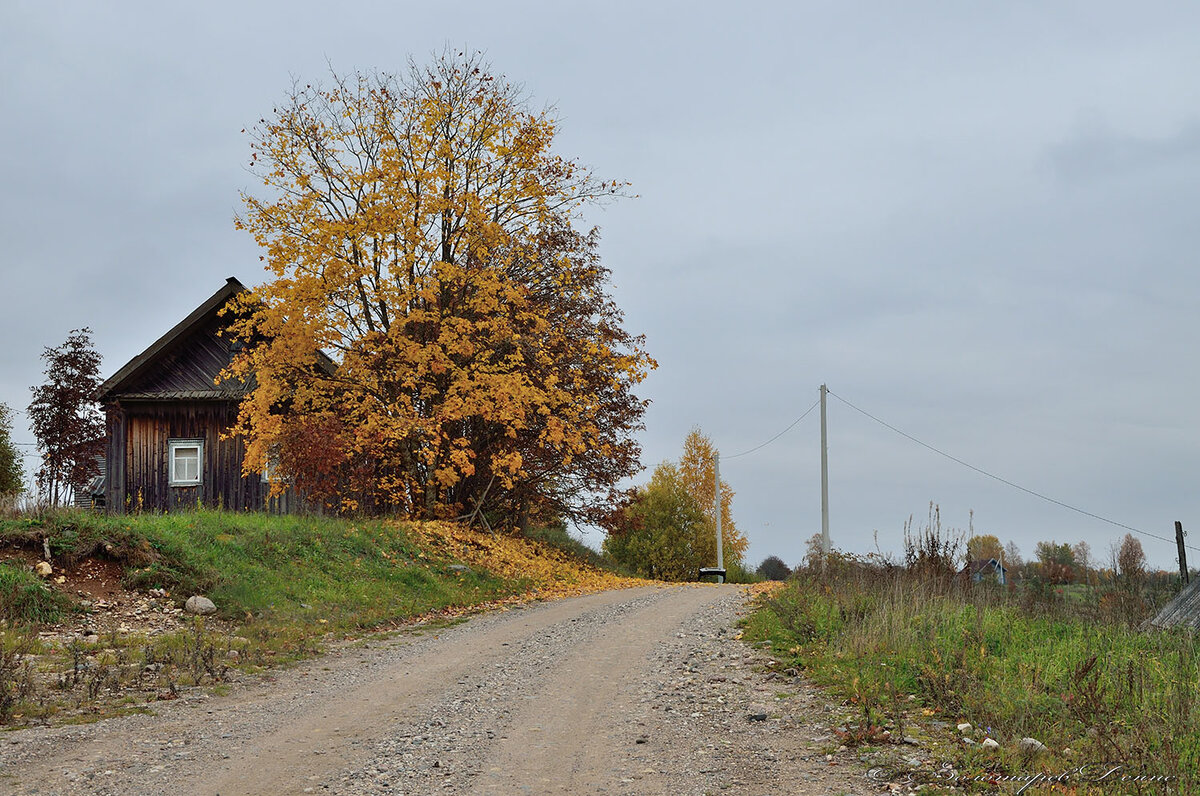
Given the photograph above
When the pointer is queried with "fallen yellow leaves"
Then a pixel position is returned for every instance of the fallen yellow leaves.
(546, 572)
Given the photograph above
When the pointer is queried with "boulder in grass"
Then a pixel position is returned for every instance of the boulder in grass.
(1031, 746)
(201, 606)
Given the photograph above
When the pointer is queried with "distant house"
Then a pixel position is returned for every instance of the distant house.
(165, 417)
(985, 568)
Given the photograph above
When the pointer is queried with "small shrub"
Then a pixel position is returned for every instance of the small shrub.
(773, 568)
(736, 573)
(932, 551)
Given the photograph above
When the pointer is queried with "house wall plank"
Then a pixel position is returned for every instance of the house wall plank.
(150, 426)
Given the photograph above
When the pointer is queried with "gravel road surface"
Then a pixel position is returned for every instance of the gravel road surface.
(639, 691)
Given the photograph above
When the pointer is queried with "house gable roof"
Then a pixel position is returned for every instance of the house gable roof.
(185, 362)
(193, 368)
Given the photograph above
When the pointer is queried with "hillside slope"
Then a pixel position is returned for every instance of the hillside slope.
(107, 628)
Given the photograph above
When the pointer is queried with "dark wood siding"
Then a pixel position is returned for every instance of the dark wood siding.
(114, 456)
(145, 429)
(192, 364)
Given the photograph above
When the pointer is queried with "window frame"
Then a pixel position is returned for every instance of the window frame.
(271, 465)
(174, 445)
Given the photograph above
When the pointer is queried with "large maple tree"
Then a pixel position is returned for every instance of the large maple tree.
(422, 231)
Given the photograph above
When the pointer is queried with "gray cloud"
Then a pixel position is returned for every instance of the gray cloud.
(1096, 152)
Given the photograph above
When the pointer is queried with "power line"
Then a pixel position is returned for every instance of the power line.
(777, 436)
(1005, 481)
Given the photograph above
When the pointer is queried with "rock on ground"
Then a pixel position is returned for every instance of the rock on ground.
(201, 606)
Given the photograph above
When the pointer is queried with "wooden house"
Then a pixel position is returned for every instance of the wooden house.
(166, 419)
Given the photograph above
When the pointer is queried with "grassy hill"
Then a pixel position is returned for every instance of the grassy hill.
(282, 586)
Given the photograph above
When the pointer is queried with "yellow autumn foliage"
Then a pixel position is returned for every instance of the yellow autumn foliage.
(696, 471)
(421, 230)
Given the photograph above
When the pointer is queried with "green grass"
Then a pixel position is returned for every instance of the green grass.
(24, 599)
(339, 574)
(898, 649)
(736, 573)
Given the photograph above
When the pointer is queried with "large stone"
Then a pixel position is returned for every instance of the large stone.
(1031, 746)
(199, 605)
(43, 569)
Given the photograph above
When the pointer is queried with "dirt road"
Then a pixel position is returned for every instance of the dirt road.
(643, 691)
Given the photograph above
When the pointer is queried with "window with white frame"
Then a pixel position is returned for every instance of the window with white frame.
(185, 457)
(271, 466)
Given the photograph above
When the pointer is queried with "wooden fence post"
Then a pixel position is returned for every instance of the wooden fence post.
(1183, 570)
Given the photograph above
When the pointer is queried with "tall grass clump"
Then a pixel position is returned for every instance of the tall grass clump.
(736, 572)
(25, 600)
(915, 642)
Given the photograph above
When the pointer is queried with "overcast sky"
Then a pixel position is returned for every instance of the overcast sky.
(977, 222)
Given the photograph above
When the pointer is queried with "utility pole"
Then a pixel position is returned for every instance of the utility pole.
(717, 502)
(824, 480)
(1183, 570)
